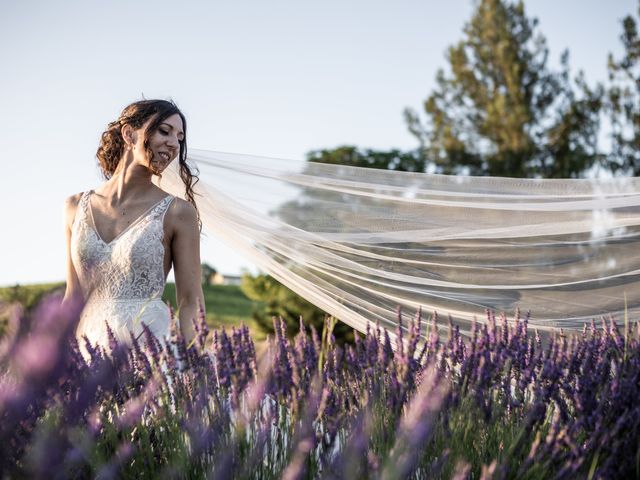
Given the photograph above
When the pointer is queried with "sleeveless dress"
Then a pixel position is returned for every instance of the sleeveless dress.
(123, 280)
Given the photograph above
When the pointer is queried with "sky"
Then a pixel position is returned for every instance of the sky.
(277, 79)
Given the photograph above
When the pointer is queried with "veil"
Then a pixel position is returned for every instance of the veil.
(360, 242)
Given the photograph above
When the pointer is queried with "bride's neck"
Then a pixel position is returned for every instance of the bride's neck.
(129, 179)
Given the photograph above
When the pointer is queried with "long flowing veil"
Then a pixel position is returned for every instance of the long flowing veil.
(360, 242)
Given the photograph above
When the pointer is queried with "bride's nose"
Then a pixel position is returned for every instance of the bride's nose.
(173, 142)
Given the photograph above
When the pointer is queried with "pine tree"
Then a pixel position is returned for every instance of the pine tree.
(501, 111)
(624, 101)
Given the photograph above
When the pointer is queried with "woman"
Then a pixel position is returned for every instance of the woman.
(124, 236)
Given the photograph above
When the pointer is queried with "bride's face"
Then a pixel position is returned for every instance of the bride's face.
(163, 143)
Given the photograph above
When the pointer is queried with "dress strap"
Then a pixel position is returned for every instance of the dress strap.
(84, 202)
(161, 209)
(85, 197)
(81, 211)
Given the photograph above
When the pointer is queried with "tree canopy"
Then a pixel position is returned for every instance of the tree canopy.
(394, 159)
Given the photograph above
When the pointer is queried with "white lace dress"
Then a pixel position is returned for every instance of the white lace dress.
(122, 280)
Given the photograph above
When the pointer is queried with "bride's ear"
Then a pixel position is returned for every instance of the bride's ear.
(128, 134)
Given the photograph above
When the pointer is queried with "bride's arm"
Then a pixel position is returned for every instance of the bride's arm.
(185, 251)
(73, 289)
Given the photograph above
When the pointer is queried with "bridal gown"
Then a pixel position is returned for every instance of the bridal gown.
(123, 280)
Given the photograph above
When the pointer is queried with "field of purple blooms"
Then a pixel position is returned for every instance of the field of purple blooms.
(500, 404)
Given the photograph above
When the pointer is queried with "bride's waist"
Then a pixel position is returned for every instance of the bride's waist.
(141, 301)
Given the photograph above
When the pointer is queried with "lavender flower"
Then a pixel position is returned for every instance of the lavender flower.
(499, 403)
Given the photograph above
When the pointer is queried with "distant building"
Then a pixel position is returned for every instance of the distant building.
(220, 279)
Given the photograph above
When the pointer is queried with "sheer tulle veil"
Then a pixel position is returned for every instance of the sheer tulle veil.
(359, 242)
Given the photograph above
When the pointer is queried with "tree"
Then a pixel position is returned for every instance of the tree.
(208, 272)
(350, 155)
(501, 111)
(624, 101)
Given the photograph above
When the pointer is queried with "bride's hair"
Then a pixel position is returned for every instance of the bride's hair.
(136, 114)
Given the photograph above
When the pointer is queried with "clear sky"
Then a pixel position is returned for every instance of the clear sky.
(276, 78)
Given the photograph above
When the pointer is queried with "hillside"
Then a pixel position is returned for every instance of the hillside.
(225, 305)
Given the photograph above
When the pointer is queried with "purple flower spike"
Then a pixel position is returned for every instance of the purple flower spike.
(152, 344)
(134, 407)
(416, 427)
(36, 357)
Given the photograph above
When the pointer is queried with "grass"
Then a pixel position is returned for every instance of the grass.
(226, 306)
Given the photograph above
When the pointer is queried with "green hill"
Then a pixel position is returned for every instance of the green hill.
(225, 305)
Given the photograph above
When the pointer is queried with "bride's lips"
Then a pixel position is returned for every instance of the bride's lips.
(161, 158)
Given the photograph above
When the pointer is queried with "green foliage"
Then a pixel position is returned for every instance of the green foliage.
(276, 300)
(501, 111)
(470, 437)
(208, 272)
(624, 101)
(355, 157)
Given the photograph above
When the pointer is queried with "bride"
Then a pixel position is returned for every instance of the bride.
(124, 237)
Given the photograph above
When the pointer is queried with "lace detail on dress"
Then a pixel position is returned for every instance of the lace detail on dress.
(131, 266)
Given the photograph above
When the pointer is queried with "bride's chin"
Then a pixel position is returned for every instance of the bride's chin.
(157, 169)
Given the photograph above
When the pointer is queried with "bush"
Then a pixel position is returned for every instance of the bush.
(278, 301)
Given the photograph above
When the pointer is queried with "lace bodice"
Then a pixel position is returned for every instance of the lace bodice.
(131, 266)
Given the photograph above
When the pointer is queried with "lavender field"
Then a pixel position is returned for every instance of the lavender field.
(501, 404)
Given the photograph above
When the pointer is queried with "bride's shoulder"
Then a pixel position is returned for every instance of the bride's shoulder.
(70, 207)
(182, 221)
(182, 212)
(72, 200)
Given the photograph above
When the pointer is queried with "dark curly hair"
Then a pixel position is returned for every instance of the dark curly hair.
(136, 114)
